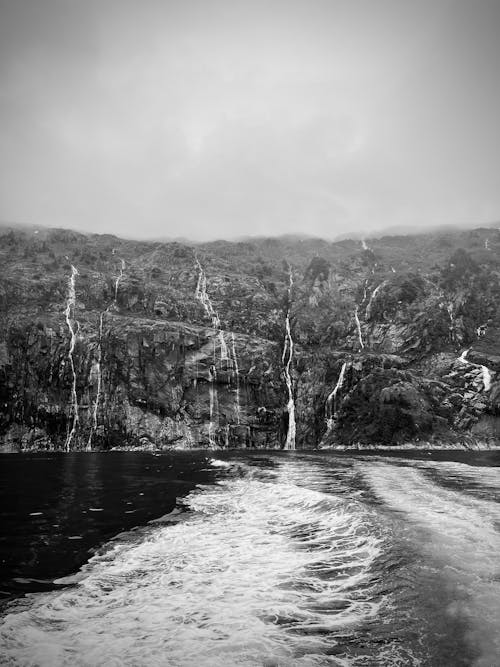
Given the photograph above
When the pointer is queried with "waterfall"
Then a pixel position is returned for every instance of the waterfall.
(363, 244)
(373, 296)
(486, 373)
(393, 269)
(364, 291)
(486, 378)
(201, 295)
(117, 281)
(214, 406)
(332, 398)
(486, 244)
(358, 326)
(286, 359)
(223, 347)
(236, 371)
(70, 306)
(98, 366)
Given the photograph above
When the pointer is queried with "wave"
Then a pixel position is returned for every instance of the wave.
(460, 536)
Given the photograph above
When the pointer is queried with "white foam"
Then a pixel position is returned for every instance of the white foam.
(461, 534)
(219, 464)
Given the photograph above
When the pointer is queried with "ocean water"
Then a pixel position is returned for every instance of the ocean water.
(265, 558)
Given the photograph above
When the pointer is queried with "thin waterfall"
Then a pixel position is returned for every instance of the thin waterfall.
(358, 326)
(214, 407)
(365, 294)
(486, 378)
(202, 296)
(331, 401)
(463, 357)
(118, 279)
(286, 359)
(485, 371)
(98, 367)
(372, 298)
(70, 310)
(236, 371)
(224, 356)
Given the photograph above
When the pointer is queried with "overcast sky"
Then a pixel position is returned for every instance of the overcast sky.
(208, 118)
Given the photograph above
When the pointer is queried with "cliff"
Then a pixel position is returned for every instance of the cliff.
(109, 343)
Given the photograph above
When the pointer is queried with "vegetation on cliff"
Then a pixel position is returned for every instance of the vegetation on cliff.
(154, 367)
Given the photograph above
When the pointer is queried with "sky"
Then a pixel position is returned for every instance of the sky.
(210, 119)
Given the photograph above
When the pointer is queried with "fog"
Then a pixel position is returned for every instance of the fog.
(209, 119)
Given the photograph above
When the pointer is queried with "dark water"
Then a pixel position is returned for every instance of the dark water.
(281, 558)
(55, 509)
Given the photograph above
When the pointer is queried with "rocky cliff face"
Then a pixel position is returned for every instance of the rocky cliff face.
(109, 343)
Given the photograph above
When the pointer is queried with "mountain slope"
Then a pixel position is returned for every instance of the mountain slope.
(171, 345)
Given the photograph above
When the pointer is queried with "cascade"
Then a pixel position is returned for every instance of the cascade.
(98, 367)
(363, 244)
(486, 378)
(449, 308)
(486, 244)
(202, 296)
(486, 373)
(332, 398)
(364, 291)
(117, 281)
(393, 269)
(358, 326)
(223, 347)
(373, 296)
(286, 359)
(70, 307)
(463, 357)
(236, 371)
(214, 406)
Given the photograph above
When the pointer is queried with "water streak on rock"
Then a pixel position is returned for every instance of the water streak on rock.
(486, 378)
(214, 407)
(358, 327)
(98, 370)
(286, 359)
(118, 279)
(372, 298)
(331, 401)
(70, 308)
(236, 371)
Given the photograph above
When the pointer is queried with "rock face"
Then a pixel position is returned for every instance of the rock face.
(166, 345)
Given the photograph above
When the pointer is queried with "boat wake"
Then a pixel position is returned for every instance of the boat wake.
(460, 539)
(253, 572)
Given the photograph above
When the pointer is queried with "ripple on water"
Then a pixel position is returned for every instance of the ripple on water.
(460, 537)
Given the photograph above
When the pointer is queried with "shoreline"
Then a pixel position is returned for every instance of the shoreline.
(358, 447)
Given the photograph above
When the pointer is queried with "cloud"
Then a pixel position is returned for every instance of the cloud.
(211, 119)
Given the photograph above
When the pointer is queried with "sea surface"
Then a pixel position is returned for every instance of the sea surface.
(196, 559)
